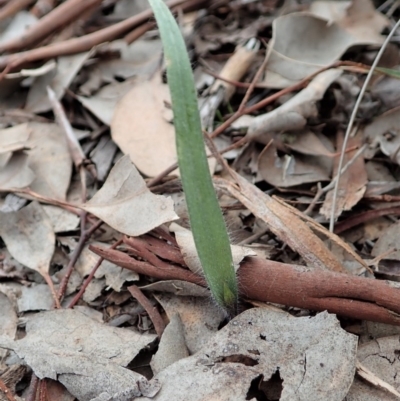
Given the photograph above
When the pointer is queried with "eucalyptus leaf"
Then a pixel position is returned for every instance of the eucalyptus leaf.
(207, 223)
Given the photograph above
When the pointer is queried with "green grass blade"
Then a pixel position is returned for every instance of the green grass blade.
(207, 223)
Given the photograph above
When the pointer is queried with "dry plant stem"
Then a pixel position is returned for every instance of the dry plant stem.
(81, 44)
(7, 392)
(252, 85)
(364, 217)
(85, 235)
(75, 149)
(89, 278)
(12, 7)
(352, 119)
(43, 390)
(151, 310)
(138, 32)
(61, 15)
(33, 385)
(298, 286)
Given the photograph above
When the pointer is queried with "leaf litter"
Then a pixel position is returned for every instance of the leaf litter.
(282, 136)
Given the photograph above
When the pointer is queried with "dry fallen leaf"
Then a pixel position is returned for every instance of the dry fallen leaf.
(125, 203)
(200, 317)
(357, 17)
(311, 358)
(302, 43)
(15, 172)
(29, 237)
(352, 183)
(185, 240)
(172, 346)
(293, 114)
(86, 356)
(8, 320)
(141, 128)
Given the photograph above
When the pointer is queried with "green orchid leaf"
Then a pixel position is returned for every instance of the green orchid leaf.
(207, 223)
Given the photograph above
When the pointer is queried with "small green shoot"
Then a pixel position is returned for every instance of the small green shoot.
(207, 223)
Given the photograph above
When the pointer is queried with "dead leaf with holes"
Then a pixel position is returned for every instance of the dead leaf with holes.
(87, 357)
(125, 203)
(274, 354)
(377, 367)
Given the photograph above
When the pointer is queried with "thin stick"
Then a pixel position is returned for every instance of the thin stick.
(352, 119)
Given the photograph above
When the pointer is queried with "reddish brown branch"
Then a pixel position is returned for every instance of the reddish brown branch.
(298, 286)
(61, 15)
(83, 43)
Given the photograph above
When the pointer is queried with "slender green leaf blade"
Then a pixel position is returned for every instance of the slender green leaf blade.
(207, 223)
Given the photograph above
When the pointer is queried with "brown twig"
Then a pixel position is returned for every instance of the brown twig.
(61, 15)
(298, 286)
(364, 217)
(42, 7)
(83, 43)
(12, 7)
(85, 235)
(151, 310)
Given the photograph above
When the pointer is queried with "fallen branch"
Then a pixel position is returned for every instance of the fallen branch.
(291, 285)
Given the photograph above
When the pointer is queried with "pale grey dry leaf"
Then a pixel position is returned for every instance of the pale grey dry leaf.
(18, 25)
(94, 290)
(314, 357)
(302, 44)
(381, 357)
(61, 220)
(14, 138)
(293, 114)
(172, 346)
(29, 236)
(58, 79)
(200, 317)
(16, 173)
(103, 103)
(8, 320)
(49, 159)
(186, 243)
(87, 357)
(141, 58)
(35, 298)
(125, 203)
(178, 287)
(102, 156)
